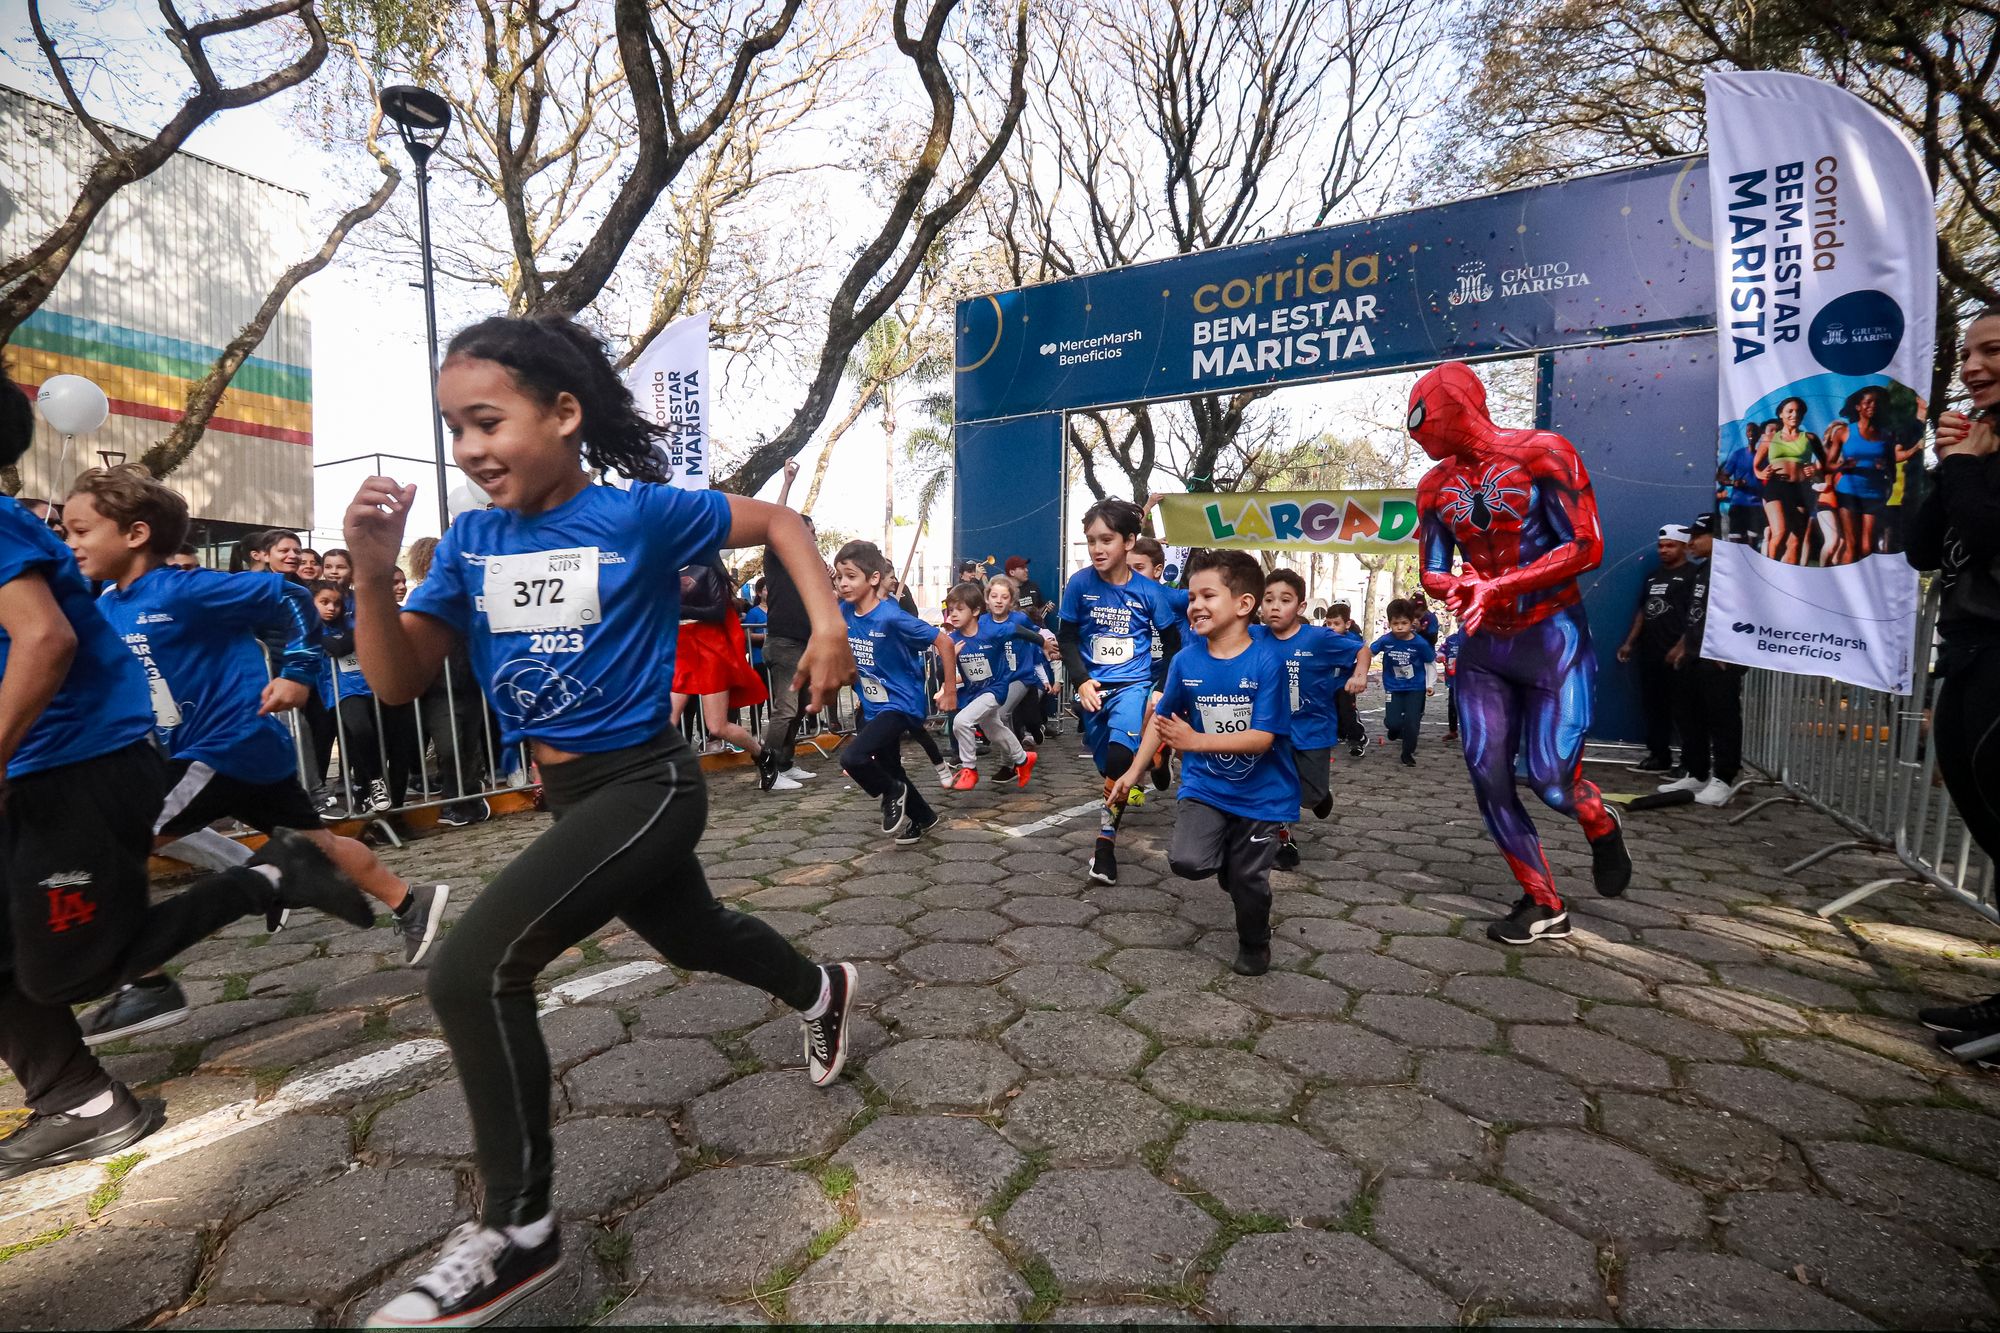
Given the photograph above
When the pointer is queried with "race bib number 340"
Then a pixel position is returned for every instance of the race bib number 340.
(542, 590)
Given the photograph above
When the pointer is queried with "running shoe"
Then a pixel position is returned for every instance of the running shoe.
(52, 1140)
(786, 784)
(915, 828)
(767, 767)
(1359, 749)
(479, 1276)
(1323, 807)
(1688, 783)
(797, 774)
(1006, 773)
(1251, 962)
(965, 779)
(1979, 1016)
(147, 1005)
(1288, 856)
(1025, 769)
(826, 1036)
(307, 879)
(276, 917)
(946, 776)
(1715, 793)
(378, 796)
(422, 920)
(459, 814)
(1528, 922)
(1409, 761)
(1610, 863)
(895, 818)
(1104, 862)
(1136, 797)
(1163, 773)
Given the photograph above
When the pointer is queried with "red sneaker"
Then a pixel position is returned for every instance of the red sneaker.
(967, 779)
(1026, 766)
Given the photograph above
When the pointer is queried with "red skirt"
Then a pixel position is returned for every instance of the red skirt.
(712, 659)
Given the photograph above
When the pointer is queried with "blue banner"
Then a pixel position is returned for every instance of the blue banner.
(1619, 255)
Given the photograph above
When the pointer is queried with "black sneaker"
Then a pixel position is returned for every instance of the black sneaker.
(1981, 1016)
(377, 799)
(1104, 862)
(1654, 764)
(767, 767)
(1409, 761)
(1288, 856)
(1610, 863)
(1007, 773)
(1323, 807)
(459, 814)
(1528, 922)
(1251, 962)
(915, 827)
(52, 1140)
(421, 920)
(826, 1036)
(307, 879)
(480, 1274)
(1163, 774)
(894, 817)
(146, 1005)
(1359, 749)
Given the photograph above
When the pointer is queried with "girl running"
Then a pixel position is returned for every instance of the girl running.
(568, 597)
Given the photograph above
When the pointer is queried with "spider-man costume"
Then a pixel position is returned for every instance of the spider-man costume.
(1516, 508)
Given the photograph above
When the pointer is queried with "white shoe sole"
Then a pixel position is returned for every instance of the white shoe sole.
(434, 919)
(153, 1024)
(485, 1314)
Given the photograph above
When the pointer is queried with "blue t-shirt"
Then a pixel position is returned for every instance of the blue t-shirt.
(101, 705)
(1346, 650)
(571, 617)
(987, 658)
(1739, 469)
(1865, 470)
(1021, 644)
(888, 646)
(1246, 692)
(1454, 644)
(1314, 674)
(339, 669)
(194, 632)
(1403, 662)
(755, 618)
(1115, 622)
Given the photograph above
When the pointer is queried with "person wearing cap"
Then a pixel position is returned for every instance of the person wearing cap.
(1028, 592)
(1657, 625)
(1708, 695)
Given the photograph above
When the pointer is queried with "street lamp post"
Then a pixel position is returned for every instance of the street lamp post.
(422, 119)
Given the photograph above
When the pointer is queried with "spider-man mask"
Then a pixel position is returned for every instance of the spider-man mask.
(1448, 412)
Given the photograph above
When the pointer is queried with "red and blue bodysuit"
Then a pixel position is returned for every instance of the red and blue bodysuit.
(1515, 509)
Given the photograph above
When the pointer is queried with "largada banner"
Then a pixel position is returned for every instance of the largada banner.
(1826, 273)
(669, 382)
(1354, 522)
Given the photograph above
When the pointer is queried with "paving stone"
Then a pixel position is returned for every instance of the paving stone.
(870, 912)
(1150, 1315)
(1336, 1052)
(1588, 980)
(1445, 955)
(1064, 986)
(942, 1166)
(1151, 930)
(1222, 1080)
(887, 886)
(286, 1043)
(1779, 983)
(722, 1231)
(1223, 947)
(798, 925)
(949, 1011)
(1702, 946)
(1732, 1011)
(110, 1278)
(1966, 1137)
(957, 925)
(1649, 965)
(371, 989)
(1321, 935)
(1397, 1130)
(1045, 911)
(1953, 1206)
(326, 1241)
(855, 942)
(1108, 1231)
(789, 897)
(1048, 1042)
(1480, 1245)
(643, 1076)
(246, 960)
(702, 1010)
(1666, 1033)
(1591, 1058)
(1496, 1089)
(1305, 1278)
(605, 1161)
(1734, 1151)
(1848, 1071)
(1288, 995)
(1787, 1105)
(1372, 974)
(780, 1043)
(1269, 1170)
(1419, 1021)
(1086, 1120)
(578, 1031)
(1511, 1000)
(974, 964)
(908, 1273)
(1606, 1192)
(648, 1310)
(1872, 1264)
(1683, 1289)
(1190, 1016)
(243, 1316)
(1164, 969)
(222, 1186)
(1393, 919)
(772, 1117)
(944, 1072)
(1054, 944)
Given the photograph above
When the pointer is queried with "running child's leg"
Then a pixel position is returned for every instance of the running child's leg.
(982, 711)
(715, 717)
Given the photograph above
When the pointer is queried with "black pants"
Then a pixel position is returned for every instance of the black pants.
(73, 847)
(1708, 707)
(455, 722)
(874, 758)
(1235, 849)
(1347, 717)
(622, 846)
(1451, 708)
(1965, 728)
(320, 732)
(1403, 718)
(378, 741)
(1656, 702)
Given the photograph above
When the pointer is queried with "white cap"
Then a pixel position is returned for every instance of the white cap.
(1674, 532)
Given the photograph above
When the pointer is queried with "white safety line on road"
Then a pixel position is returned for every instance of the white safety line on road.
(46, 1190)
(1059, 817)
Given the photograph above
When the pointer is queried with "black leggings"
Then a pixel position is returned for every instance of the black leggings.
(874, 758)
(364, 745)
(1965, 728)
(623, 845)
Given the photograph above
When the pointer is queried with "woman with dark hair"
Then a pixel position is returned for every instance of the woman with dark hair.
(248, 557)
(1788, 457)
(1865, 454)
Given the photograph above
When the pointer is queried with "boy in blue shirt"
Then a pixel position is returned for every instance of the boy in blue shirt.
(1224, 706)
(1319, 666)
(1148, 557)
(1454, 644)
(888, 645)
(988, 667)
(1109, 613)
(1406, 676)
(1347, 714)
(82, 785)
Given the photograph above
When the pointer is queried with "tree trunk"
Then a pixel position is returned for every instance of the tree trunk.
(888, 469)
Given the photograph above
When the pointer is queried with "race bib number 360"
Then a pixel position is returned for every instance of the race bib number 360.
(542, 590)
(1224, 719)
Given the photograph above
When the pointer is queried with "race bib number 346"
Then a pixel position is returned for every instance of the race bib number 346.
(542, 590)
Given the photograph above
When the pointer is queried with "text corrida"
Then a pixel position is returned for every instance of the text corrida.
(1307, 332)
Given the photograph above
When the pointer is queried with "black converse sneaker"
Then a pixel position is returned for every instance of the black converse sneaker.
(481, 1273)
(52, 1140)
(767, 767)
(419, 924)
(1610, 863)
(894, 817)
(1981, 1016)
(826, 1036)
(1528, 922)
(146, 1005)
(915, 827)
(1104, 862)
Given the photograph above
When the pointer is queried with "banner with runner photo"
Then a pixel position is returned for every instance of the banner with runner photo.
(1354, 522)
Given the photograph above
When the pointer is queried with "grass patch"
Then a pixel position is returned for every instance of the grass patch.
(1041, 1280)
(836, 1181)
(593, 952)
(773, 1294)
(49, 1237)
(115, 1172)
(1017, 1185)
(612, 1248)
(186, 1059)
(743, 1062)
(375, 1027)
(1360, 1217)
(236, 986)
(270, 1079)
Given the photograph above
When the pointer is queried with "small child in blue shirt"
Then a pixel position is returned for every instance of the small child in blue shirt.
(1224, 707)
(1406, 676)
(1454, 644)
(888, 644)
(1354, 651)
(1319, 666)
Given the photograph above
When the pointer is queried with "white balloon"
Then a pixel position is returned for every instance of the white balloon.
(72, 404)
(463, 497)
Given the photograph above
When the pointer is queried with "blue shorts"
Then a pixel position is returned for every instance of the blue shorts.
(1119, 722)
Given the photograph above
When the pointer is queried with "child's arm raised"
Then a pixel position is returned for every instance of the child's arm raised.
(400, 651)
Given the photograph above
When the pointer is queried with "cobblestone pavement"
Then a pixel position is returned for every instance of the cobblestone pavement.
(1706, 1108)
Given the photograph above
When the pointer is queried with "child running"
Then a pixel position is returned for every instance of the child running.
(1318, 664)
(1347, 713)
(888, 646)
(568, 596)
(1224, 708)
(1109, 613)
(1027, 666)
(1454, 644)
(1148, 557)
(1406, 677)
(982, 647)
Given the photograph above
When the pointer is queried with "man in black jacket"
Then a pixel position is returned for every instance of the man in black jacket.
(1708, 696)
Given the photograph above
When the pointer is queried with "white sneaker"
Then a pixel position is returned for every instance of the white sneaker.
(797, 774)
(783, 783)
(1717, 792)
(1688, 783)
(946, 776)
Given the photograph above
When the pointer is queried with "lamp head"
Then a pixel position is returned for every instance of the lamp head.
(422, 118)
